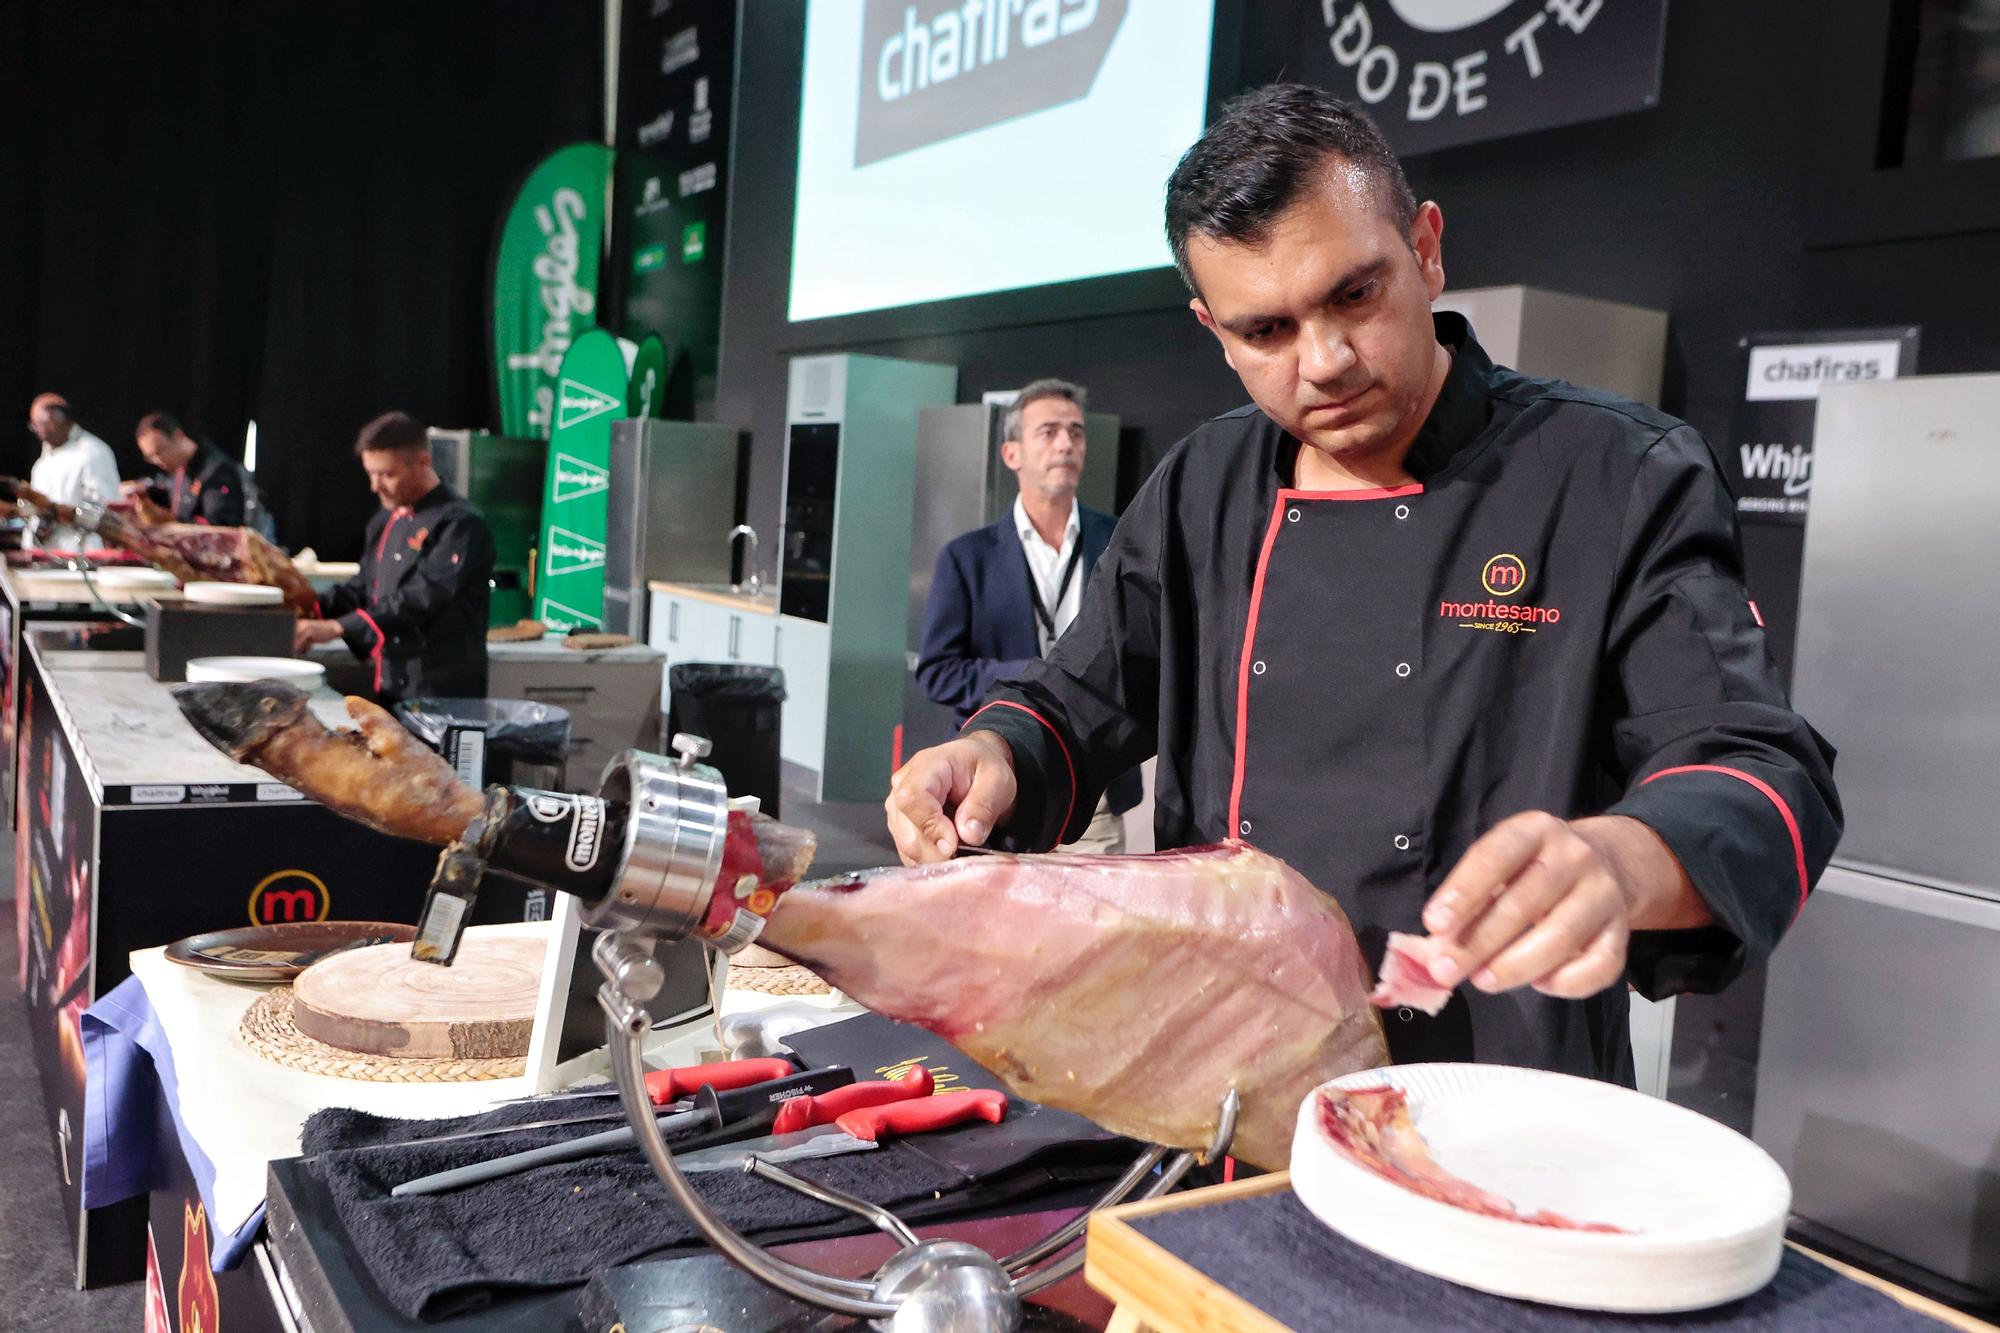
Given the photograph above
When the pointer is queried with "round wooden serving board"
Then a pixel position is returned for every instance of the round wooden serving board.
(384, 1002)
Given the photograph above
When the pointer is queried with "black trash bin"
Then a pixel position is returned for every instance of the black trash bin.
(738, 708)
(509, 741)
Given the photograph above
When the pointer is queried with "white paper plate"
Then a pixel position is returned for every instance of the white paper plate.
(235, 594)
(305, 675)
(1704, 1207)
(134, 576)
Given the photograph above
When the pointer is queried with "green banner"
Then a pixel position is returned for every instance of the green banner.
(589, 396)
(649, 379)
(545, 282)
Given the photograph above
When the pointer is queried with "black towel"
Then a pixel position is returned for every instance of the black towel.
(556, 1225)
(1275, 1254)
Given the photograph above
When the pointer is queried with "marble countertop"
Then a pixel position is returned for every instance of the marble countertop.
(128, 732)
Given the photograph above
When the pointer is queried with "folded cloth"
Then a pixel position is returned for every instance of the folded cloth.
(553, 1226)
(1275, 1254)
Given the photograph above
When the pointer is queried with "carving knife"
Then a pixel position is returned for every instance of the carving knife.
(706, 1107)
(859, 1130)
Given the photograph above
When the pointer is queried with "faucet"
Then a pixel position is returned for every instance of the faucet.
(752, 579)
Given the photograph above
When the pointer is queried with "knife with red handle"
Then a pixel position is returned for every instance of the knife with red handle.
(859, 1130)
(664, 1087)
(805, 1112)
(872, 1123)
(667, 1085)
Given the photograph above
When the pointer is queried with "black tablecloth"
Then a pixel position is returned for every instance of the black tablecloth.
(1275, 1254)
(556, 1225)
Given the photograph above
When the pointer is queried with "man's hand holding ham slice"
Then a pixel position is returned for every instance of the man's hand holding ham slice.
(1541, 902)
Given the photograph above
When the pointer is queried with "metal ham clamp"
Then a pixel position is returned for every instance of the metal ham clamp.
(661, 853)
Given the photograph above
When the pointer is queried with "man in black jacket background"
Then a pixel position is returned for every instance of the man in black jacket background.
(1003, 594)
(418, 607)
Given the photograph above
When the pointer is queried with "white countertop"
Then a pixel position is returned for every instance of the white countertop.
(247, 1112)
(763, 604)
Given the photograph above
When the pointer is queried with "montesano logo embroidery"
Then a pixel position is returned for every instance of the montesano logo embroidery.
(576, 478)
(571, 551)
(936, 69)
(1504, 576)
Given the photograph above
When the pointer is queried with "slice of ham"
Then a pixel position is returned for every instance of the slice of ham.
(1372, 1127)
(1406, 980)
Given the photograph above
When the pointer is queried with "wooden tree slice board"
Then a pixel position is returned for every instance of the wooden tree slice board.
(381, 1001)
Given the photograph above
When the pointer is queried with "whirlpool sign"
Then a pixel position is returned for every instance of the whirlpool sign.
(1440, 73)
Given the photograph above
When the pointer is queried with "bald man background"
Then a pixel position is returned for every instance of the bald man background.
(75, 467)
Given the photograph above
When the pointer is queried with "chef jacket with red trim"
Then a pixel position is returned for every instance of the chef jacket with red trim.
(1552, 616)
(417, 608)
(212, 488)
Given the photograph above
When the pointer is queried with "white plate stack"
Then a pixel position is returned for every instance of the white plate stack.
(131, 578)
(235, 594)
(1702, 1208)
(290, 670)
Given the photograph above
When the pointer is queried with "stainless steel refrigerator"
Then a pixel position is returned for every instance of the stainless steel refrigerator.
(1878, 1085)
(675, 494)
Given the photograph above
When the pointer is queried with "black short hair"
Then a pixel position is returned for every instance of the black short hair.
(393, 430)
(164, 422)
(1266, 149)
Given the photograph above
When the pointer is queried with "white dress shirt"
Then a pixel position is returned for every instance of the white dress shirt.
(1045, 565)
(79, 470)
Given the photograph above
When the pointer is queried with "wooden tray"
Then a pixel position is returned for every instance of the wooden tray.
(1156, 1290)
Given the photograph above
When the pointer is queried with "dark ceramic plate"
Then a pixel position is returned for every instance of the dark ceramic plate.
(279, 953)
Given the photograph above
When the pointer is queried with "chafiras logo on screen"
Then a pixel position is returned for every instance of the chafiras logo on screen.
(936, 69)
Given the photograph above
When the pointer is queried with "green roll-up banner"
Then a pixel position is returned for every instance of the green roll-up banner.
(649, 379)
(545, 282)
(589, 396)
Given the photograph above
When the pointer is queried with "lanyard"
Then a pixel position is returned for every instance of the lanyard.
(1047, 614)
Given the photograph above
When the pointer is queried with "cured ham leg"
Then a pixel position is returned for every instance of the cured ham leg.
(1372, 1127)
(1135, 990)
(379, 775)
(188, 551)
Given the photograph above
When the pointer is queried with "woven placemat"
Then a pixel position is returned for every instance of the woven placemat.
(789, 980)
(267, 1029)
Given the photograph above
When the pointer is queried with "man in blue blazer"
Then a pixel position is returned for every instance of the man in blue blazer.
(1004, 593)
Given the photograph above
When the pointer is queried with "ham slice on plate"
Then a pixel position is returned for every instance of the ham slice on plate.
(1372, 1127)
(1406, 979)
(1541, 1186)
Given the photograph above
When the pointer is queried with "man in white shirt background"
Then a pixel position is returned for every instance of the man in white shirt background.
(1004, 593)
(75, 468)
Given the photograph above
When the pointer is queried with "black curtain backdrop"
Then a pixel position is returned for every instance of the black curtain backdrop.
(246, 209)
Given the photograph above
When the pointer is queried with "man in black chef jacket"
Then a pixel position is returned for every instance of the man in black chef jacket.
(418, 607)
(196, 482)
(1470, 650)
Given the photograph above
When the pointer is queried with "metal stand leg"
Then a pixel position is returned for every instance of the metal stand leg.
(935, 1286)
